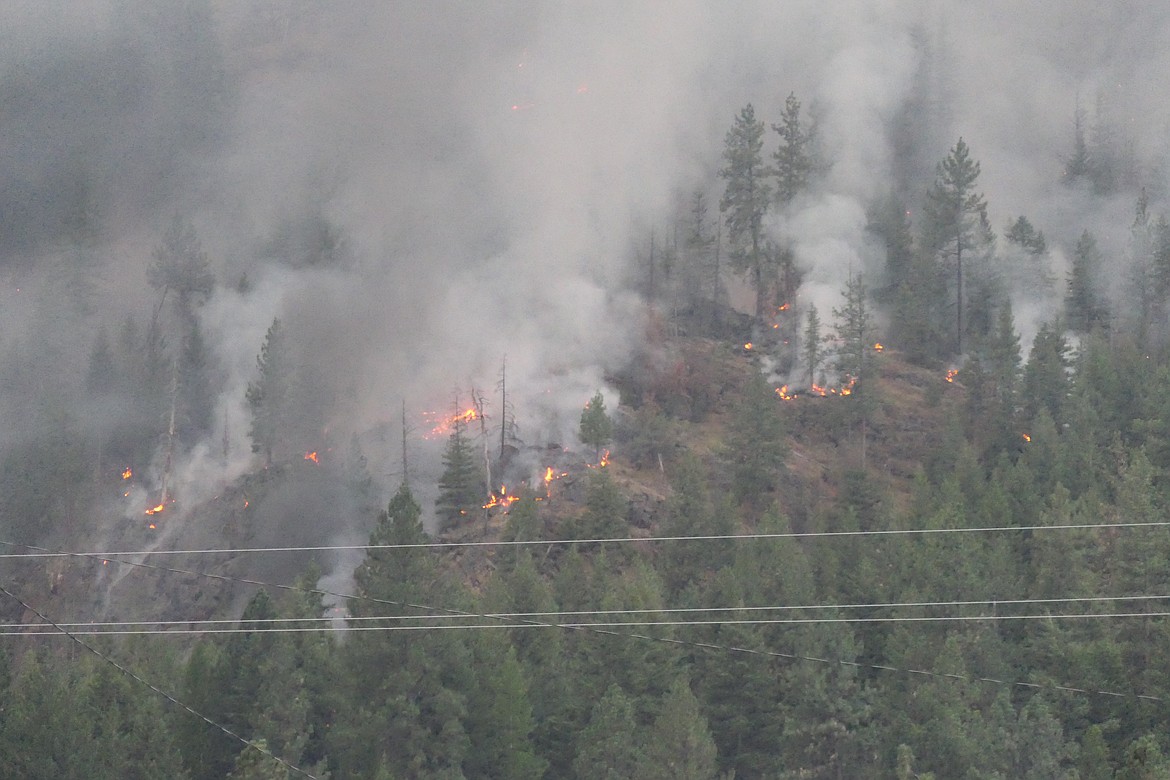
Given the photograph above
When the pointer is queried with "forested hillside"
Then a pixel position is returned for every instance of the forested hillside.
(426, 411)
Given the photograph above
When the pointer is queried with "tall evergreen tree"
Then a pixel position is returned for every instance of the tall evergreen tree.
(812, 347)
(1083, 304)
(405, 691)
(793, 162)
(461, 490)
(956, 215)
(1079, 165)
(679, 745)
(269, 397)
(745, 201)
(180, 269)
(855, 337)
(596, 429)
(756, 446)
(608, 748)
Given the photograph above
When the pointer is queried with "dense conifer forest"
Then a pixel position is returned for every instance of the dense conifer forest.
(798, 479)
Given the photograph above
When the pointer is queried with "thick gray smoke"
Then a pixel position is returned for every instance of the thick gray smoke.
(419, 190)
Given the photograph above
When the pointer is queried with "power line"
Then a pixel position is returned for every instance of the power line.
(112, 554)
(349, 619)
(61, 631)
(591, 624)
(606, 631)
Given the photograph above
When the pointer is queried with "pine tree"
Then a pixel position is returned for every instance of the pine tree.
(698, 276)
(679, 745)
(1024, 235)
(813, 348)
(1079, 165)
(461, 490)
(608, 749)
(596, 428)
(756, 446)
(889, 220)
(854, 332)
(181, 269)
(745, 201)
(1045, 382)
(1083, 307)
(405, 692)
(499, 715)
(956, 214)
(270, 396)
(793, 163)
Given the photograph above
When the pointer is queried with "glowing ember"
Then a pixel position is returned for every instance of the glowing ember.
(246, 502)
(748, 346)
(1026, 437)
(127, 473)
(782, 307)
(951, 374)
(152, 526)
(878, 347)
(312, 456)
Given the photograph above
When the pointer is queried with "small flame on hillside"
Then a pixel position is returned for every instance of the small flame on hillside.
(154, 510)
(312, 456)
(549, 477)
(503, 498)
(127, 473)
(878, 347)
(951, 374)
(1027, 437)
(782, 391)
(748, 346)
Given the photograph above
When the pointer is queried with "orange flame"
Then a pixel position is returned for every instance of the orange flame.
(782, 307)
(154, 510)
(127, 473)
(312, 456)
(1027, 437)
(878, 347)
(549, 476)
(748, 346)
(951, 374)
(782, 391)
(501, 499)
(443, 425)
(822, 391)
